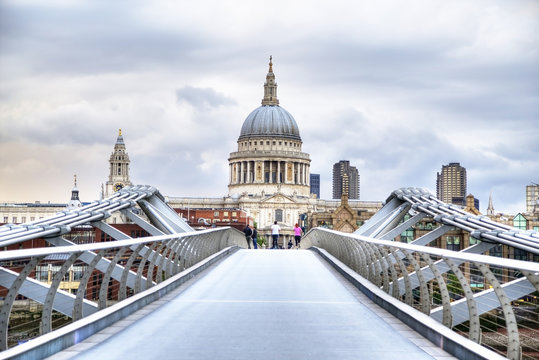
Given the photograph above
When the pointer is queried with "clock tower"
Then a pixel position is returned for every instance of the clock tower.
(119, 167)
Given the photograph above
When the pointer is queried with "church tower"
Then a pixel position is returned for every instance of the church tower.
(119, 167)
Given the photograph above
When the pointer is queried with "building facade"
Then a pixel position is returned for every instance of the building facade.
(451, 183)
(532, 198)
(269, 157)
(315, 185)
(340, 169)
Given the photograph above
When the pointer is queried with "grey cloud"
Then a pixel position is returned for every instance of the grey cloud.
(102, 38)
(203, 98)
(80, 49)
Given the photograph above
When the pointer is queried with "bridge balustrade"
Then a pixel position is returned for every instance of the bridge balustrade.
(469, 293)
(44, 289)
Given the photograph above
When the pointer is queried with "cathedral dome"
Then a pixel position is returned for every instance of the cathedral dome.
(270, 121)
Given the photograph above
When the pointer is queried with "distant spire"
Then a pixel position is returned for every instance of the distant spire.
(75, 191)
(75, 202)
(270, 87)
(490, 209)
(120, 132)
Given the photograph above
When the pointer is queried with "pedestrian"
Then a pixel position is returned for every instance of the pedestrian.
(248, 232)
(275, 235)
(297, 235)
(255, 237)
(290, 244)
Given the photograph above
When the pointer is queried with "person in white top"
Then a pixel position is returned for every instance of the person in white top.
(275, 235)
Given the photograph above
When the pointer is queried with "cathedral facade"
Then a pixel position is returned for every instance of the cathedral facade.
(269, 173)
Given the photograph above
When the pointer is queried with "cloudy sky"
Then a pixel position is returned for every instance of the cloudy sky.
(399, 88)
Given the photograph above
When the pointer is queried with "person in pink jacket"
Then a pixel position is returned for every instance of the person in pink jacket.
(297, 234)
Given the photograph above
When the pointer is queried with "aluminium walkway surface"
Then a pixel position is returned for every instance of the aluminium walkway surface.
(261, 304)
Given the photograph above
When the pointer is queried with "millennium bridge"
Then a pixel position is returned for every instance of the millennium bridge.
(185, 294)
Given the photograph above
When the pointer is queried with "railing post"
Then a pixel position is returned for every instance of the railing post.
(46, 317)
(10, 299)
(423, 290)
(103, 291)
(475, 329)
(81, 291)
(514, 350)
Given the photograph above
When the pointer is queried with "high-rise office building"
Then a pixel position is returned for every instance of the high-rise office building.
(339, 169)
(315, 185)
(532, 198)
(451, 184)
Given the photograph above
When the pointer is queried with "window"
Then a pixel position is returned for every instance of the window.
(267, 142)
(5, 219)
(407, 235)
(279, 215)
(473, 241)
(23, 219)
(14, 220)
(453, 242)
(32, 218)
(521, 254)
(225, 213)
(234, 214)
(216, 214)
(520, 222)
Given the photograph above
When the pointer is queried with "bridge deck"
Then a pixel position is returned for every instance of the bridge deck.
(261, 305)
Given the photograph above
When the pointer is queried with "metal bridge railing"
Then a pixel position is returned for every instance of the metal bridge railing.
(93, 277)
(469, 293)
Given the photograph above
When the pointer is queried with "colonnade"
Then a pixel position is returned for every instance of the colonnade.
(269, 172)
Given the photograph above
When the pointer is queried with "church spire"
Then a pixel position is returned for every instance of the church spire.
(490, 209)
(270, 88)
(75, 191)
(75, 202)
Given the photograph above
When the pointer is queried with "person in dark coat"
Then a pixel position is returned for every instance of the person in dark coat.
(248, 232)
(255, 236)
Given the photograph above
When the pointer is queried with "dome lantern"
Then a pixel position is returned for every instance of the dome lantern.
(270, 88)
(270, 119)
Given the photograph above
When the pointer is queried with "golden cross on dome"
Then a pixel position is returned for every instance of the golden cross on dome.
(270, 65)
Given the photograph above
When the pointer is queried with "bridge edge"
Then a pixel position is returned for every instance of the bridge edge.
(72, 334)
(429, 328)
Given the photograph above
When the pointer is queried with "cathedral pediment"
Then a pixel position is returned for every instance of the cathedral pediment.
(279, 199)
